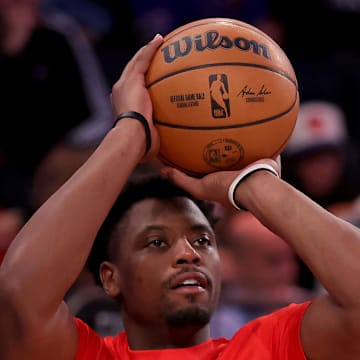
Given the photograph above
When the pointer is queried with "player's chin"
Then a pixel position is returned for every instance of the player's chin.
(195, 302)
(194, 315)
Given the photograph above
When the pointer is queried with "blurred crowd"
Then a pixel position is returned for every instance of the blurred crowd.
(58, 61)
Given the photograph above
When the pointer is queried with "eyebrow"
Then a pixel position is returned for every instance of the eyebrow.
(196, 227)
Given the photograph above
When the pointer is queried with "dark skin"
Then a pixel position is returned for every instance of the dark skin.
(40, 265)
(164, 244)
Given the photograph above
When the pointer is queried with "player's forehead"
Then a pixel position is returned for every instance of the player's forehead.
(162, 212)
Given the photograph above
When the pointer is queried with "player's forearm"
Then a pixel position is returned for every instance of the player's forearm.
(327, 244)
(50, 251)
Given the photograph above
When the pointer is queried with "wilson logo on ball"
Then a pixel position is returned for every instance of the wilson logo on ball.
(211, 40)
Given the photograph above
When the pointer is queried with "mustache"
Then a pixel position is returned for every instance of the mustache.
(189, 269)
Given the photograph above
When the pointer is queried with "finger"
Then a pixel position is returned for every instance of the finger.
(278, 161)
(182, 180)
(141, 60)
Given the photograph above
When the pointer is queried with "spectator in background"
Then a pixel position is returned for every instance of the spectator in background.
(94, 17)
(325, 58)
(319, 160)
(259, 273)
(52, 84)
(108, 24)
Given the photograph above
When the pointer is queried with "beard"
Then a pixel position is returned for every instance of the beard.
(192, 316)
(188, 318)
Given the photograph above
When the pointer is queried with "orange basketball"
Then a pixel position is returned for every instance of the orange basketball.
(224, 95)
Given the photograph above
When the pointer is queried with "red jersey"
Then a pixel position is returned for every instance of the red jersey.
(271, 337)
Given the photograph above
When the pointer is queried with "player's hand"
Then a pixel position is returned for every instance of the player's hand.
(129, 93)
(214, 186)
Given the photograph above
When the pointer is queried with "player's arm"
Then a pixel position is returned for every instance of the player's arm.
(331, 249)
(328, 245)
(50, 251)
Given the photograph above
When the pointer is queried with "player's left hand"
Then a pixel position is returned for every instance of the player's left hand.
(214, 186)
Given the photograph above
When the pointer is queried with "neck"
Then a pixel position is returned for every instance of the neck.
(163, 337)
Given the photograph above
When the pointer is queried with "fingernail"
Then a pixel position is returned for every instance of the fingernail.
(157, 36)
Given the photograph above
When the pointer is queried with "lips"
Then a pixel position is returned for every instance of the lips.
(189, 279)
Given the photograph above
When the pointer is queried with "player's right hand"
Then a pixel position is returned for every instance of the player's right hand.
(129, 93)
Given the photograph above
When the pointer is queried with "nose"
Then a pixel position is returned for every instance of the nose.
(185, 253)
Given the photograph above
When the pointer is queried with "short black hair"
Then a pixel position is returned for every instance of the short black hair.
(137, 189)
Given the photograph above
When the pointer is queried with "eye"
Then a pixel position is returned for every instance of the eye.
(157, 243)
(203, 241)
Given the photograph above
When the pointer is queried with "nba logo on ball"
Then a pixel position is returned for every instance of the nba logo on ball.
(219, 92)
(224, 95)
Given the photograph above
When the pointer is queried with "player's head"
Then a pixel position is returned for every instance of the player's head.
(157, 256)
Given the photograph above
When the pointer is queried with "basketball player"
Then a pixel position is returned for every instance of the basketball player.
(161, 262)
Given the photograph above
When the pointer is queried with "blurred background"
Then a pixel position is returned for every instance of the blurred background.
(58, 61)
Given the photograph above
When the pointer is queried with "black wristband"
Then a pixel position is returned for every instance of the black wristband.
(137, 116)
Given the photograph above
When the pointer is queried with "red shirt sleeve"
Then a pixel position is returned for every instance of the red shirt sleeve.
(91, 346)
(273, 336)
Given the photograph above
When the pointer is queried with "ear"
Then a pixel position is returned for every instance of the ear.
(110, 278)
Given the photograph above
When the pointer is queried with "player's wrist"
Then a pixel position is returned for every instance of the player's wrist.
(134, 115)
(237, 196)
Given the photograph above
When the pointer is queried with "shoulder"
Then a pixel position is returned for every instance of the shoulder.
(292, 312)
(284, 322)
(276, 335)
